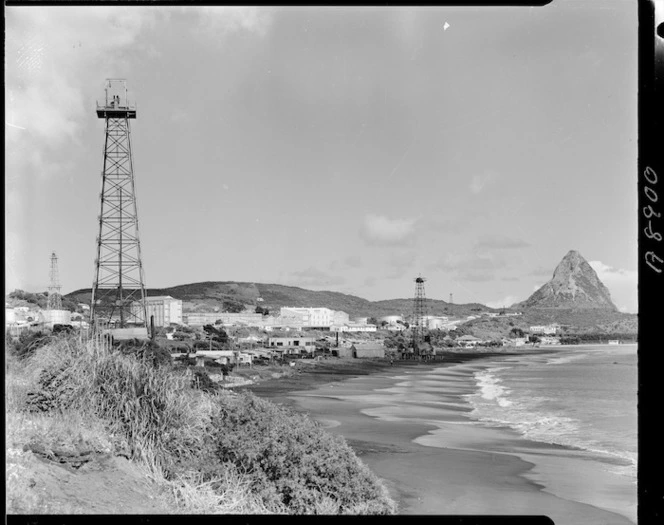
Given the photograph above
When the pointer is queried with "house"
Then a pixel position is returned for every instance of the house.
(367, 350)
(468, 341)
(292, 344)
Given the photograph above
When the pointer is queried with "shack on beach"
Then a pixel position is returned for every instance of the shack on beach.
(367, 350)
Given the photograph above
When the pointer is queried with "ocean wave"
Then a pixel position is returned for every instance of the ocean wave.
(534, 417)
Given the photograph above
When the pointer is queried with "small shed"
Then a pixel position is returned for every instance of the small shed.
(367, 350)
(344, 351)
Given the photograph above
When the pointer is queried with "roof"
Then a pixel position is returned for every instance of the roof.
(160, 298)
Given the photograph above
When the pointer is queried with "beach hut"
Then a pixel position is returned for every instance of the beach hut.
(344, 351)
(367, 350)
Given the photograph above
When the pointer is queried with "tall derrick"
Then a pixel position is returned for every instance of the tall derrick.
(118, 280)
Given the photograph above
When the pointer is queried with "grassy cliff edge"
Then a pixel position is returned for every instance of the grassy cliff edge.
(81, 411)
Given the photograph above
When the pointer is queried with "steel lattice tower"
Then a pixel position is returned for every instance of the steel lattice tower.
(419, 326)
(54, 297)
(118, 281)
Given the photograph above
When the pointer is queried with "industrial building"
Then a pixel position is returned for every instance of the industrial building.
(164, 308)
(367, 350)
(224, 318)
(321, 318)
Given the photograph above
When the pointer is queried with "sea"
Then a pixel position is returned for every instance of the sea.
(569, 412)
(572, 410)
(583, 398)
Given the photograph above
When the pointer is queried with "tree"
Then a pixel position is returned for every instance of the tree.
(372, 320)
(262, 310)
(217, 335)
(232, 307)
(517, 332)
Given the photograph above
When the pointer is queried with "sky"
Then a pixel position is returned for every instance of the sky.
(347, 149)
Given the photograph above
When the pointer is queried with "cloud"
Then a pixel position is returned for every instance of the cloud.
(504, 302)
(500, 242)
(622, 284)
(469, 260)
(541, 271)
(220, 21)
(315, 277)
(370, 281)
(480, 182)
(54, 57)
(400, 263)
(476, 276)
(350, 262)
(381, 230)
(353, 261)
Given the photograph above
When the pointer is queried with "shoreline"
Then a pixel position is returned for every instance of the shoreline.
(503, 481)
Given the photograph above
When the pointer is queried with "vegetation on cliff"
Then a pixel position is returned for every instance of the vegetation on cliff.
(210, 450)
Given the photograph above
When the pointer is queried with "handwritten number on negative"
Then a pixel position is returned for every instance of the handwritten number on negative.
(649, 213)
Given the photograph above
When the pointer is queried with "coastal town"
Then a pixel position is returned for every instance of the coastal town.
(358, 286)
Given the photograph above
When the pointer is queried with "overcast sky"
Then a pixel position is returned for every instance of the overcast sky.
(345, 149)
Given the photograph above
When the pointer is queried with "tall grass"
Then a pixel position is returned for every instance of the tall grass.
(199, 447)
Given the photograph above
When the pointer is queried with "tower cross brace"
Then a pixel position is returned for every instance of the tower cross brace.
(118, 291)
(54, 296)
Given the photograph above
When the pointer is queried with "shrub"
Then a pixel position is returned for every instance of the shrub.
(28, 342)
(149, 350)
(202, 381)
(292, 461)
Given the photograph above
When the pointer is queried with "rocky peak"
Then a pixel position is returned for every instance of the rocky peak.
(574, 285)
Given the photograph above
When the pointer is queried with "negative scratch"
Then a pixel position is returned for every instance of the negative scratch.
(412, 142)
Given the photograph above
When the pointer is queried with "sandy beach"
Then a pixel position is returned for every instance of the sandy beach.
(454, 467)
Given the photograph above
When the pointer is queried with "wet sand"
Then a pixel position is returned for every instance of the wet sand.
(478, 471)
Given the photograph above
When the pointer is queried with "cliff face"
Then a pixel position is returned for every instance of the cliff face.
(574, 285)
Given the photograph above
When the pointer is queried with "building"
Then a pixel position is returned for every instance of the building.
(468, 341)
(224, 318)
(320, 318)
(292, 344)
(391, 320)
(354, 327)
(367, 350)
(10, 316)
(164, 308)
(550, 329)
(52, 317)
(437, 322)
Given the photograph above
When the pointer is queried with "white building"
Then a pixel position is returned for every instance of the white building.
(354, 327)
(164, 308)
(391, 320)
(10, 316)
(312, 317)
(550, 329)
(51, 317)
(224, 318)
(437, 322)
